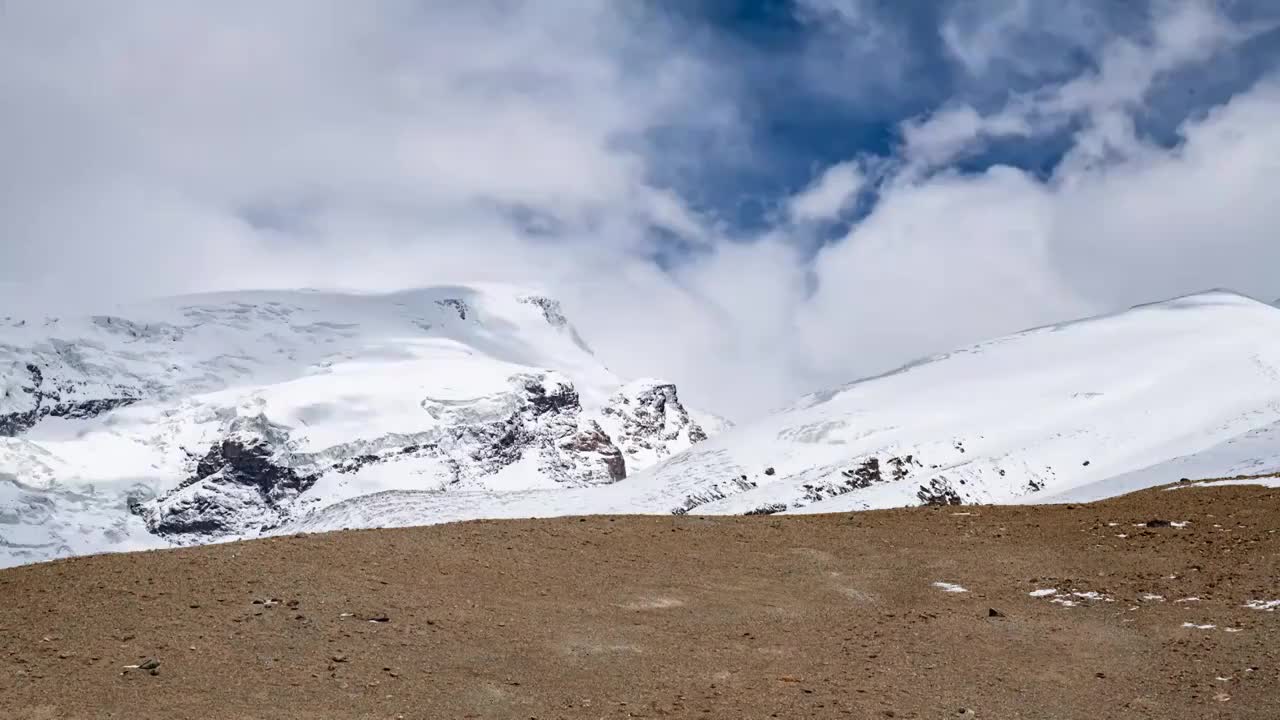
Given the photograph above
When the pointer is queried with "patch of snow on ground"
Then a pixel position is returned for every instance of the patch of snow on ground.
(1264, 605)
(950, 587)
(1072, 598)
(1272, 482)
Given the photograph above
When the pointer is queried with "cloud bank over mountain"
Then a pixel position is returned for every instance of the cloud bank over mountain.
(751, 199)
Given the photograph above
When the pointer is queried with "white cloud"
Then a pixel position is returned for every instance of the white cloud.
(939, 138)
(978, 34)
(949, 259)
(936, 265)
(1157, 223)
(156, 148)
(994, 38)
(827, 196)
(1182, 34)
(399, 121)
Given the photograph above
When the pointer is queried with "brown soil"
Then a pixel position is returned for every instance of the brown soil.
(603, 617)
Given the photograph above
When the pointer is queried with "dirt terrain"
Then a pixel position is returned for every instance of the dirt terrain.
(678, 617)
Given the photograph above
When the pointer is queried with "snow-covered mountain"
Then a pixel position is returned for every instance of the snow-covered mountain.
(1188, 387)
(208, 417)
(226, 416)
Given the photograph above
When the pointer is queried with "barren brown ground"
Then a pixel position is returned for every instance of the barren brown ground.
(610, 617)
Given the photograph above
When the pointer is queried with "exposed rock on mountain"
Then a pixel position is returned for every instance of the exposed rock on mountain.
(648, 422)
(210, 417)
(285, 412)
(1094, 408)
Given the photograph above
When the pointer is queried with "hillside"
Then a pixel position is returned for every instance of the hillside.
(1156, 606)
(203, 418)
(222, 417)
(1184, 388)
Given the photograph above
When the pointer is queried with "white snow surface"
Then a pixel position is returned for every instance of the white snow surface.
(1029, 417)
(1253, 453)
(1188, 387)
(1270, 481)
(110, 410)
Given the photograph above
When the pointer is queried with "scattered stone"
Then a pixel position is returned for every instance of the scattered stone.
(769, 471)
(992, 612)
(149, 664)
(1158, 523)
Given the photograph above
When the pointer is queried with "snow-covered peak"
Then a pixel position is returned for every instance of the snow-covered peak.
(178, 346)
(1086, 406)
(220, 415)
(353, 411)
(648, 422)
(1017, 417)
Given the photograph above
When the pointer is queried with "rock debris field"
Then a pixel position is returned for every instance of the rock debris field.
(1162, 604)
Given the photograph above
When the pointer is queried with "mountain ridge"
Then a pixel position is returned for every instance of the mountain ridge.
(434, 406)
(951, 429)
(224, 415)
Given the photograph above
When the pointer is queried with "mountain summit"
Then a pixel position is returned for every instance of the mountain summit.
(201, 418)
(1095, 407)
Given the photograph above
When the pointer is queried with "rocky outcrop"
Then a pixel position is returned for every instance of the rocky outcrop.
(864, 474)
(551, 311)
(648, 423)
(253, 479)
(243, 482)
(713, 492)
(42, 400)
(554, 315)
(457, 305)
(939, 492)
(257, 407)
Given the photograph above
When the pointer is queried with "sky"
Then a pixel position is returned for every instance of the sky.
(754, 199)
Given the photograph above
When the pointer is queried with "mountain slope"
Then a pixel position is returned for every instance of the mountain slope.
(1254, 454)
(1024, 417)
(207, 417)
(228, 416)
